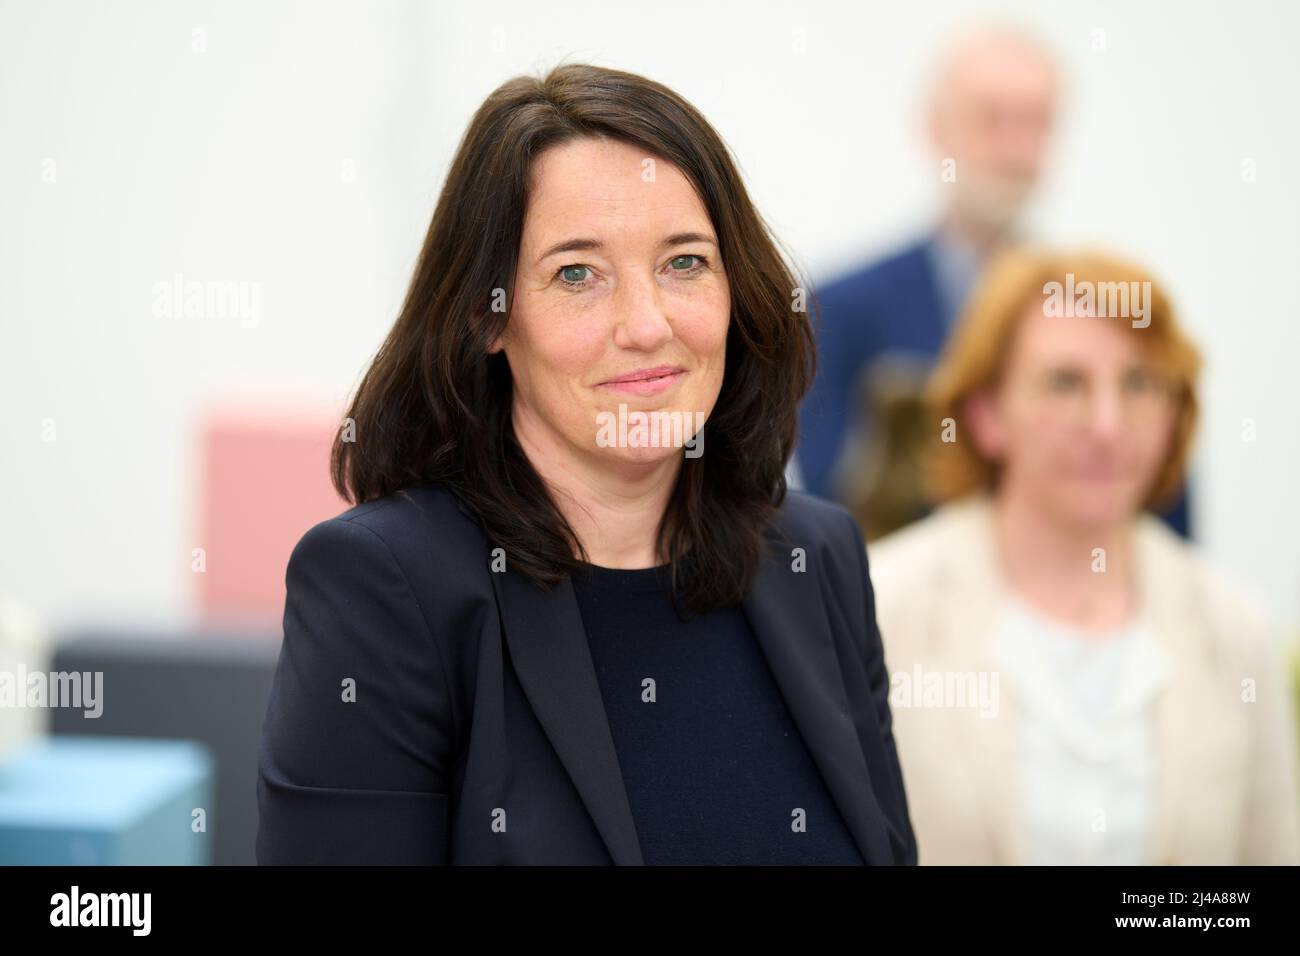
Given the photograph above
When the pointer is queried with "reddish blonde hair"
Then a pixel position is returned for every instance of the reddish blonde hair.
(975, 354)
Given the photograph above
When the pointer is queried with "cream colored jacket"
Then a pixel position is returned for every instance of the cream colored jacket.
(1226, 790)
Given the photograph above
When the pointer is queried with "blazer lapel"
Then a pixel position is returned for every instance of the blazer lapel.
(1181, 723)
(548, 646)
(788, 615)
(968, 618)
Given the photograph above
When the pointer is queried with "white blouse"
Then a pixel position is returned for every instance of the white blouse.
(1086, 737)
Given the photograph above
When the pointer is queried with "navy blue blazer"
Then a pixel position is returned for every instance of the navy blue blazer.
(428, 710)
(888, 307)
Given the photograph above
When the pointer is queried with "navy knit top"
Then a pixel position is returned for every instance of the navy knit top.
(715, 769)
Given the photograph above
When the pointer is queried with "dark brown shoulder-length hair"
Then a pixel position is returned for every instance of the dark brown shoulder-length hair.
(434, 406)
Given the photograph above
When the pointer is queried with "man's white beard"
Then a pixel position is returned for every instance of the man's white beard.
(993, 204)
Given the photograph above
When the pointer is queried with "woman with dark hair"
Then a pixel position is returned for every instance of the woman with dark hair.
(559, 626)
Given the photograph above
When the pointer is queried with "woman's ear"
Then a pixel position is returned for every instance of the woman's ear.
(985, 424)
(497, 344)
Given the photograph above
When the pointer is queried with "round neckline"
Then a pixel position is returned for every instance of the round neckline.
(624, 579)
(1072, 635)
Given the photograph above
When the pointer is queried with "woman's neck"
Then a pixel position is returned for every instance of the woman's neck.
(1083, 576)
(614, 510)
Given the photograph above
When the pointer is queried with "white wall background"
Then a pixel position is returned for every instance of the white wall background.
(301, 146)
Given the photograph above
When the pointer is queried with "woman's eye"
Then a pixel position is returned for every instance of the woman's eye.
(579, 276)
(687, 263)
(575, 275)
(1064, 381)
(1139, 380)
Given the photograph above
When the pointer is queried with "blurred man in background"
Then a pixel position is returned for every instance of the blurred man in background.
(991, 114)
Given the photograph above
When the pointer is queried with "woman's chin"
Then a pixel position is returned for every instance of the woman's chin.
(634, 456)
(1095, 507)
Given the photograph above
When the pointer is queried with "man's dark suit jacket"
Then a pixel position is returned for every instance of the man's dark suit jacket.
(888, 307)
(428, 710)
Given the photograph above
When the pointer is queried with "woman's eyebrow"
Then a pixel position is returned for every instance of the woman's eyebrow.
(586, 245)
(571, 245)
(681, 238)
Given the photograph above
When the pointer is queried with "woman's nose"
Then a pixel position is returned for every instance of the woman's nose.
(1106, 412)
(642, 323)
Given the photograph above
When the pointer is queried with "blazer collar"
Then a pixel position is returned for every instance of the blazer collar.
(788, 614)
(1180, 623)
(548, 646)
(962, 636)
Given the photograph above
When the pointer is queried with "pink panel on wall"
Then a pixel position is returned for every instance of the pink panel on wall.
(265, 481)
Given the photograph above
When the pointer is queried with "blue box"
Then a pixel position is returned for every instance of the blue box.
(106, 801)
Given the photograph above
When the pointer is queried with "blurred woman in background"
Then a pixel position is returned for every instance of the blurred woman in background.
(1072, 683)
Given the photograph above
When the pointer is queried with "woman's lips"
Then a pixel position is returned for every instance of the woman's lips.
(650, 382)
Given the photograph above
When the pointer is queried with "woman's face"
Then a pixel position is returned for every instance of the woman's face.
(619, 278)
(1081, 420)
